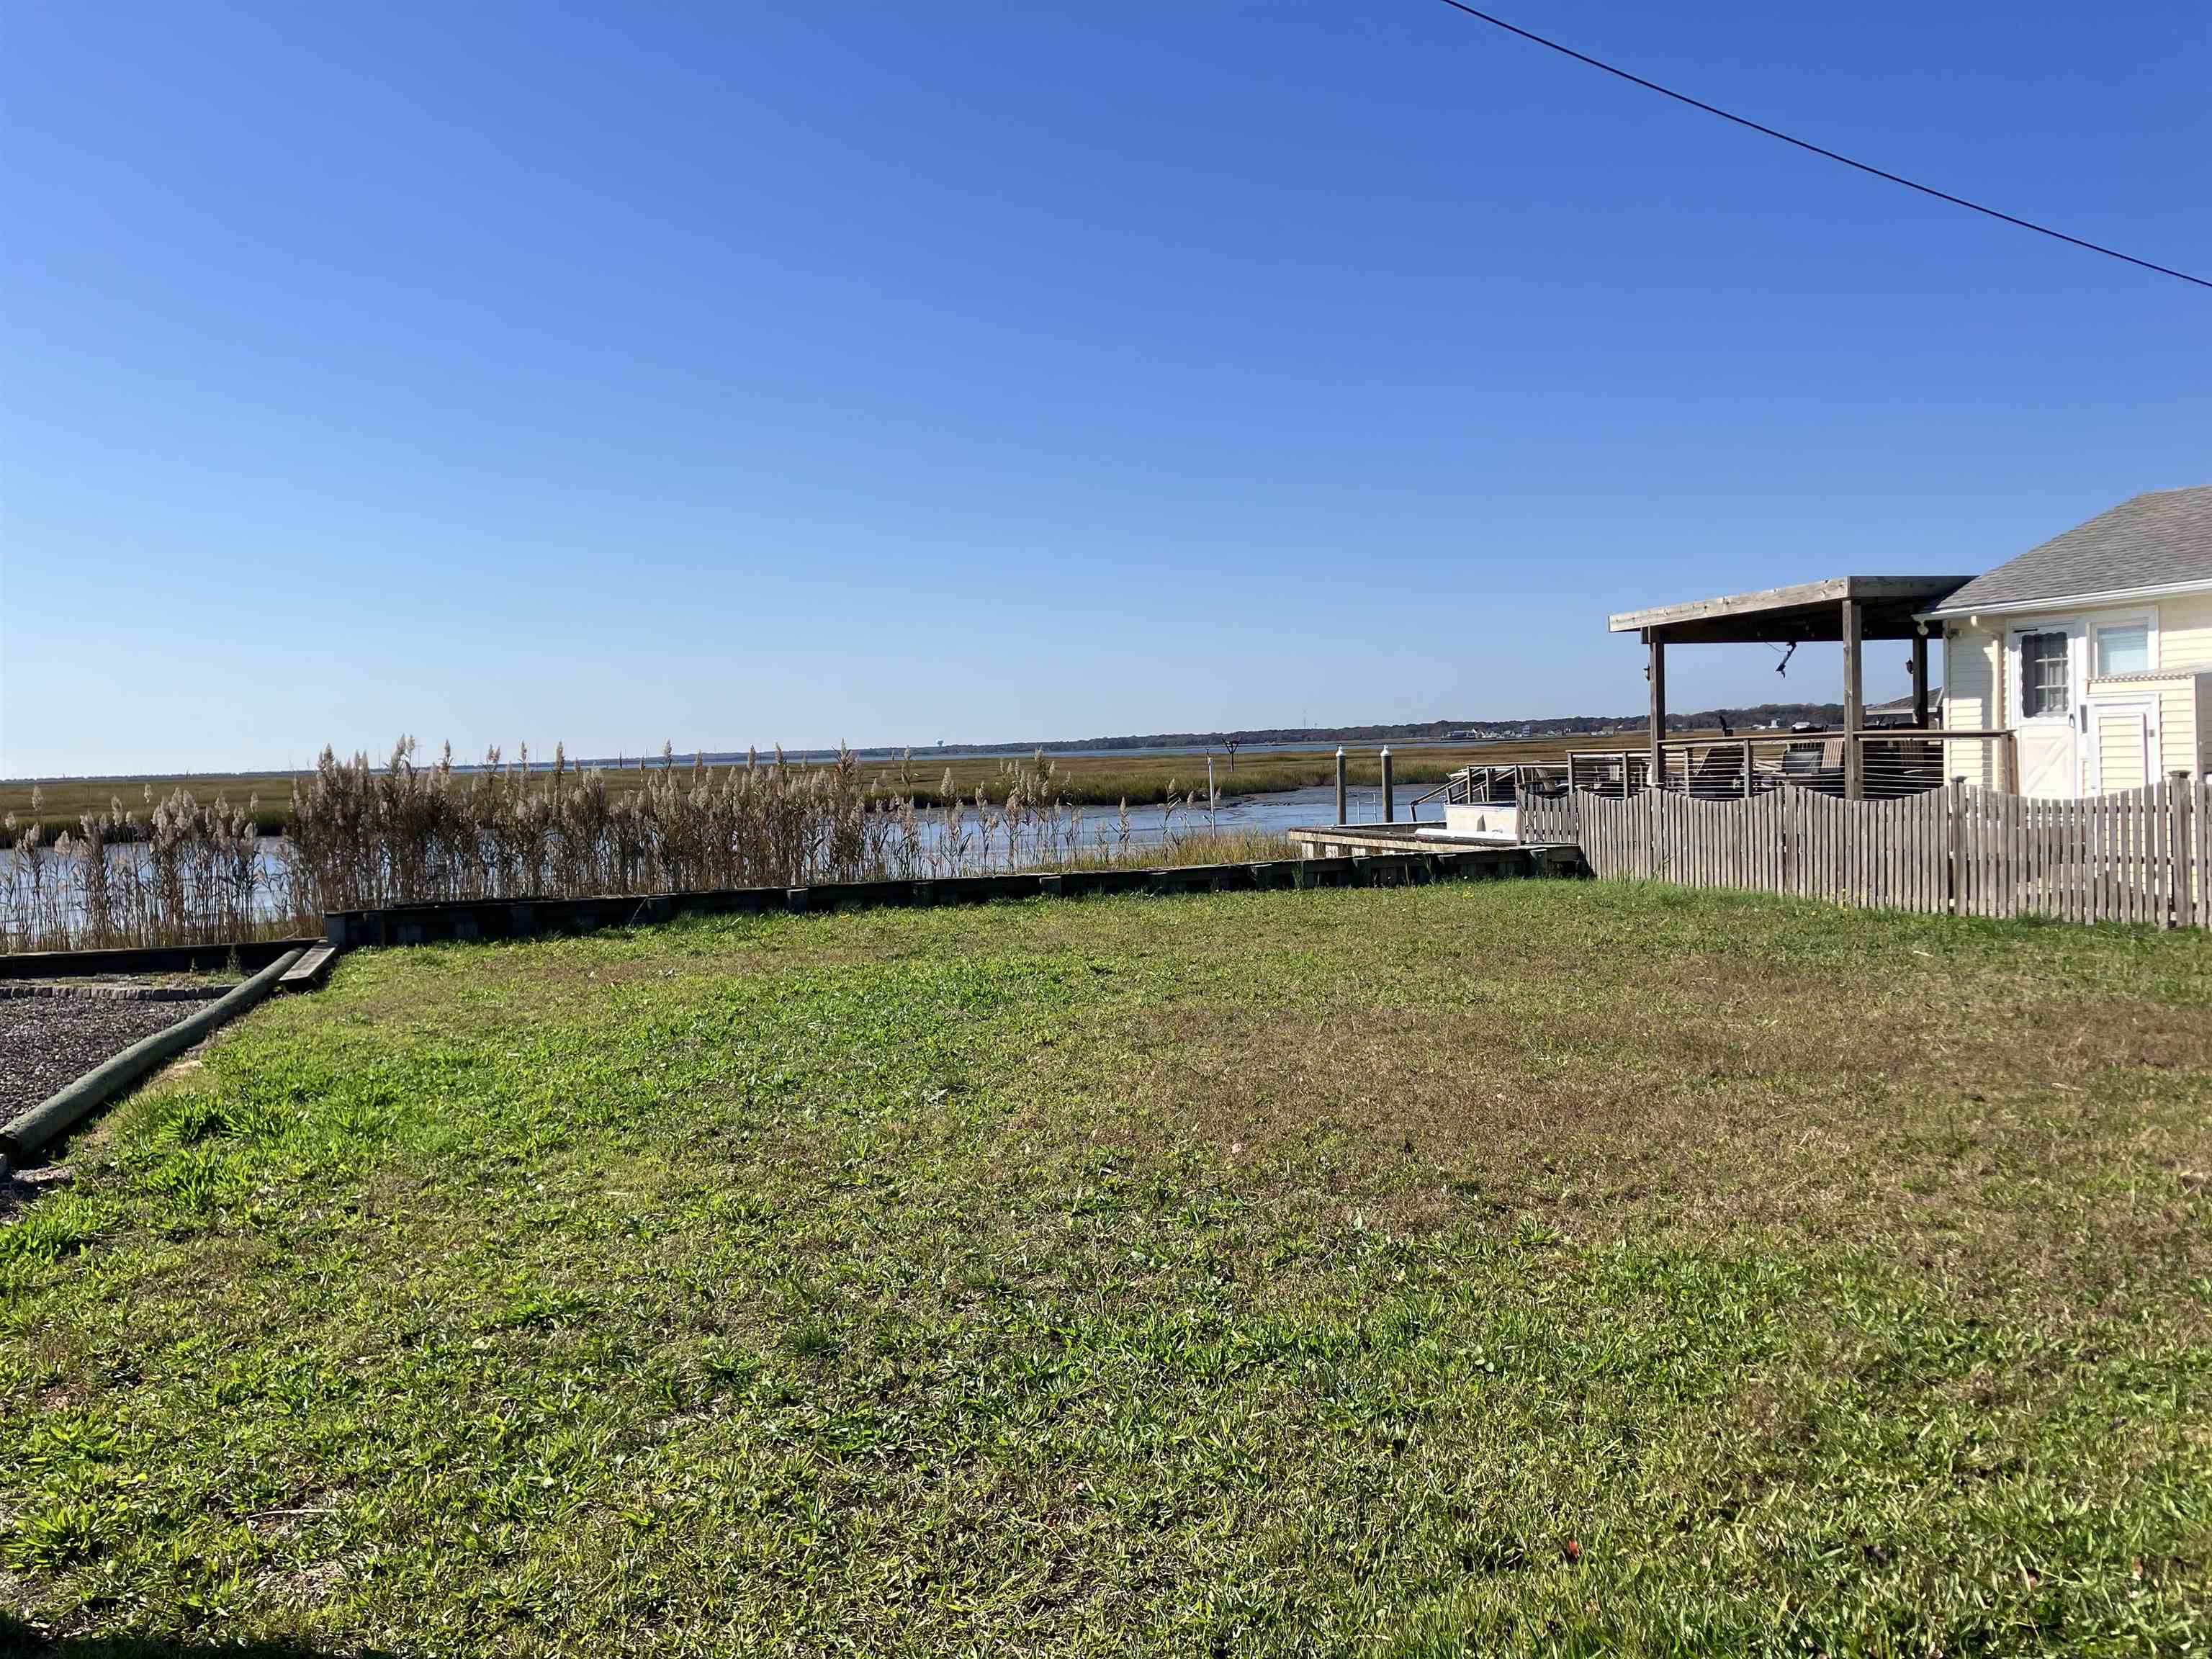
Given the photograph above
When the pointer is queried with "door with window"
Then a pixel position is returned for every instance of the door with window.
(2046, 702)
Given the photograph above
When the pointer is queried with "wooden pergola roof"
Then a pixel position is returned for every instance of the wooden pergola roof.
(1803, 610)
(1850, 609)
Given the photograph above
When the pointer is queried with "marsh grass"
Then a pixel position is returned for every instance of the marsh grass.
(187, 871)
(1565, 1269)
(363, 836)
(1099, 782)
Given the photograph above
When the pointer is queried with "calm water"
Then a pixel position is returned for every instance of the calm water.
(1265, 814)
(1287, 809)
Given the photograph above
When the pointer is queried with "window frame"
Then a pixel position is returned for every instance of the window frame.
(2070, 661)
(2081, 629)
(2076, 635)
(2146, 620)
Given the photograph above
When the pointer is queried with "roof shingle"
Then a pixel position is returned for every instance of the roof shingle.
(2156, 540)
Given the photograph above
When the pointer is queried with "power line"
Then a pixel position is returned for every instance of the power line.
(1744, 121)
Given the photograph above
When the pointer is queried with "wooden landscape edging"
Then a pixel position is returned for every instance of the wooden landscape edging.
(2142, 856)
(30, 1132)
(249, 956)
(493, 919)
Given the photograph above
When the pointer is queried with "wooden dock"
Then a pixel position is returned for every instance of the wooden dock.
(1339, 841)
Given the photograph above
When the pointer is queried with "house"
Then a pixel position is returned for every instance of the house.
(2094, 651)
(1899, 712)
(2082, 667)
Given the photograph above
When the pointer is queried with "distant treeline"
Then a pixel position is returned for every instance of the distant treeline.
(1418, 730)
(1406, 732)
(1819, 714)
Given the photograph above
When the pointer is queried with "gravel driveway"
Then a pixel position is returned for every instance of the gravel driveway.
(46, 1041)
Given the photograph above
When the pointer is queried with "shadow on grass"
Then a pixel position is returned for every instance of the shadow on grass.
(17, 1638)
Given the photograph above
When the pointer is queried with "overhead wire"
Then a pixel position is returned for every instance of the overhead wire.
(1818, 149)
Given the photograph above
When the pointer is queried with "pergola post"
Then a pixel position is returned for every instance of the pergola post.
(1657, 672)
(1854, 709)
(1920, 682)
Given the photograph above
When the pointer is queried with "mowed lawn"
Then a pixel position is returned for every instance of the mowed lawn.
(1542, 1267)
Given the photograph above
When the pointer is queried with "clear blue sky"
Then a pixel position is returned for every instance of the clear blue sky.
(893, 374)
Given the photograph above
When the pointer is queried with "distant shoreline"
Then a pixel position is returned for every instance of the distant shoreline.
(1274, 739)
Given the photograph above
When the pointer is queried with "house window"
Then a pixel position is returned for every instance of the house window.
(2043, 677)
(2124, 650)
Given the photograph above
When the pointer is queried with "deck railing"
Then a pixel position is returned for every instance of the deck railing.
(1498, 786)
(1893, 763)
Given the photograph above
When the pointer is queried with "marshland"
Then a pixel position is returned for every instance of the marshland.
(1088, 779)
(181, 868)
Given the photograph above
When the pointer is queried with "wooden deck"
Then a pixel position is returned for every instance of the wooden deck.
(1337, 841)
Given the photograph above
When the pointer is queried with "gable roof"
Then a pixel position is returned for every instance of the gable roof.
(2162, 539)
(1904, 705)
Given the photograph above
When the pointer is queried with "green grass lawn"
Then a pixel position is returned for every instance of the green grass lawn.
(1540, 1267)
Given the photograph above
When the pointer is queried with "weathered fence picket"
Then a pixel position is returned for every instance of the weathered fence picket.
(2137, 855)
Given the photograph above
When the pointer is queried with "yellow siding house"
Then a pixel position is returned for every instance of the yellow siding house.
(2092, 651)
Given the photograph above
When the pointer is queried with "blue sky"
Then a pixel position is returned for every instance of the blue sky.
(990, 372)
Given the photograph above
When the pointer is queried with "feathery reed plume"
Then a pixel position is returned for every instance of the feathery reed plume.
(365, 835)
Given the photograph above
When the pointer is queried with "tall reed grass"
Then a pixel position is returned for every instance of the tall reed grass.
(364, 836)
(187, 871)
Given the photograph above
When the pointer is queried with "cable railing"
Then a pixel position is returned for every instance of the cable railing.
(1493, 786)
(1908, 761)
(1893, 765)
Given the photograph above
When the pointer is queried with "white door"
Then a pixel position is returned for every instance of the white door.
(2122, 742)
(2049, 760)
(2046, 701)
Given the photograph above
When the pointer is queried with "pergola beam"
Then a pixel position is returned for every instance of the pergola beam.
(1802, 610)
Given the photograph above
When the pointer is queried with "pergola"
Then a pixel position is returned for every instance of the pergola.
(1849, 608)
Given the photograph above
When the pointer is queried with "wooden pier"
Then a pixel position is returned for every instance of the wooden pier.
(1340, 840)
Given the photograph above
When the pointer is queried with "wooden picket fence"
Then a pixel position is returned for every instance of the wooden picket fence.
(2137, 855)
